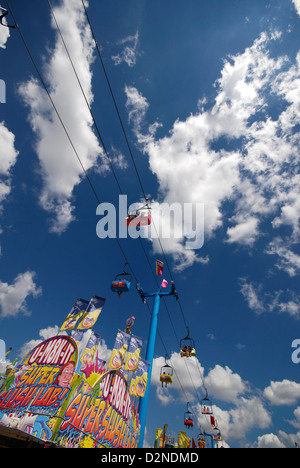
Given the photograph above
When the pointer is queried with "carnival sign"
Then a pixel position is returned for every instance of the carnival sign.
(53, 395)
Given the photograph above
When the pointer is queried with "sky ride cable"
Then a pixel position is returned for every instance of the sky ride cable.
(133, 160)
(74, 149)
(69, 138)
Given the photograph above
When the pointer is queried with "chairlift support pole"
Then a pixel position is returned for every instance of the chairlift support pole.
(150, 350)
(211, 438)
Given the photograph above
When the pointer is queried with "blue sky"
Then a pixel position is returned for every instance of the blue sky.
(209, 96)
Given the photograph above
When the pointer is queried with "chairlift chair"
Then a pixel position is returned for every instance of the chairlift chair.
(122, 282)
(166, 375)
(140, 217)
(3, 13)
(206, 405)
(188, 418)
(187, 346)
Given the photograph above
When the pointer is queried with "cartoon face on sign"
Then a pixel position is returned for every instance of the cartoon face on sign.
(132, 363)
(65, 375)
(117, 361)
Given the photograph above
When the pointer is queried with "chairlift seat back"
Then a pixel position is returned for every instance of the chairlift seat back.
(167, 378)
(138, 221)
(120, 285)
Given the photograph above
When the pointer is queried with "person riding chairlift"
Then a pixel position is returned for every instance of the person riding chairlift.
(186, 351)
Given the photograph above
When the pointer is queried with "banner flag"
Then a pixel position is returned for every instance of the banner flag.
(76, 313)
(91, 348)
(164, 284)
(119, 351)
(163, 438)
(157, 438)
(133, 355)
(92, 313)
(138, 384)
(159, 267)
(87, 357)
(183, 440)
(201, 443)
(77, 336)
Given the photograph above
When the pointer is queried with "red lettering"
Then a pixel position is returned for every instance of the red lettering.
(77, 422)
(106, 387)
(92, 416)
(67, 354)
(54, 396)
(29, 396)
(105, 423)
(71, 412)
(98, 418)
(38, 351)
(10, 395)
(18, 398)
(54, 354)
(43, 396)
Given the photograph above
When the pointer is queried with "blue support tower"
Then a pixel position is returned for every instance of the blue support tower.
(150, 350)
(211, 439)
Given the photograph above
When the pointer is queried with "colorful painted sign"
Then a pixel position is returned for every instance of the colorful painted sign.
(108, 418)
(57, 396)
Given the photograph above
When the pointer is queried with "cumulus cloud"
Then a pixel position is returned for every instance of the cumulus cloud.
(4, 35)
(13, 297)
(44, 334)
(221, 382)
(188, 372)
(283, 393)
(269, 441)
(60, 170)
(8, 158)
(297, 5)
(235, 423)
(236, 153)
(243, 413)
(224, 384)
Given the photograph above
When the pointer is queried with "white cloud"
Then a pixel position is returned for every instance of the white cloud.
(245, 232)
(137, 107)
(237, 152)
(261, 301)
(8, 158)
(4, 35)
(289, 261)
(44, 335)
(186, 371)
(130, 52)
(235, 423)
(269, 441)
(13, 296)
(224, 384)
(221, 382)
(297, 5)
(290, 306)
(283, 393)
(8, 153)
(251, 293)
(60, 170)
(249, 414)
